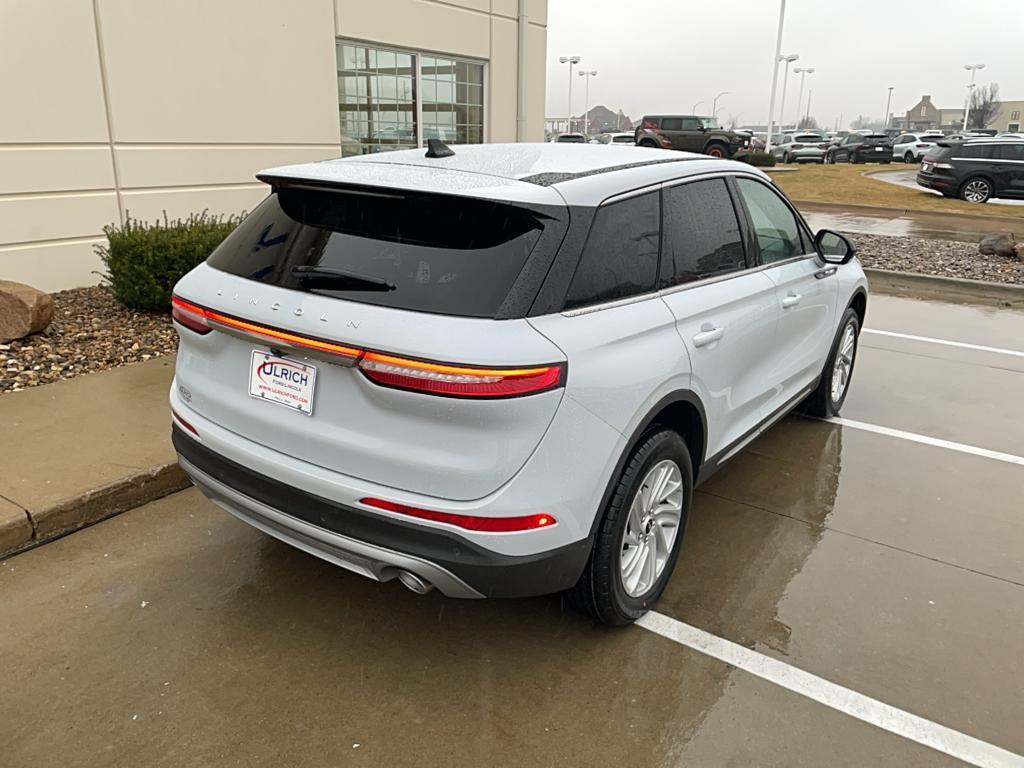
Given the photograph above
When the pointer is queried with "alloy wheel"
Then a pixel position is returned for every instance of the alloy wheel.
(976, 191)
(842, 366)
(651, 528)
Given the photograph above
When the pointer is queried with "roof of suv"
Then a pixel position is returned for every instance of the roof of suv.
(553, 174)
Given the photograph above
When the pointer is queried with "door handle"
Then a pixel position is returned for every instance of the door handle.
(791, 300)
(826, 272)
(708, 335)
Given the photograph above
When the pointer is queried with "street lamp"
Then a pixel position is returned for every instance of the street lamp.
(973, 69)
(714, 104)
(785, 80)
(888, 103)
(694, 110)
(803, 72)
(775, 76)
(586, 100)
(570, 60)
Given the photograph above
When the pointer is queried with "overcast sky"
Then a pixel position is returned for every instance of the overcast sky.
(665, 55)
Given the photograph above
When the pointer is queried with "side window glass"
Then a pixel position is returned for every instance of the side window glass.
(620, 258)
(1011, 152)
(775, 226)
(691, 124)
(701, 233)
(671, 124)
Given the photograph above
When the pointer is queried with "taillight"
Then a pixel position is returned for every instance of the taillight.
(185, 424)
(922, 146)
(798, 146)
(389, 370)
(190, 316)
(469, 522)
(456, 380)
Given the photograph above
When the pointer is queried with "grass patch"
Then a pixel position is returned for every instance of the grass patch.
(845, 183)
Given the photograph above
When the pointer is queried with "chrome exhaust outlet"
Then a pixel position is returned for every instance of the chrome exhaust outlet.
(415, 583)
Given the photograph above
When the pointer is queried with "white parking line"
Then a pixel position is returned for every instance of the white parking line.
(1009, 458)
(946, 342)
(851, 703)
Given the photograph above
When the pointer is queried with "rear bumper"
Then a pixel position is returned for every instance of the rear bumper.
(938, 183)
(370, 544)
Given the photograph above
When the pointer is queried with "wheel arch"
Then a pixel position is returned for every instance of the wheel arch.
(681, 410)
(981, 175)
(859, 304)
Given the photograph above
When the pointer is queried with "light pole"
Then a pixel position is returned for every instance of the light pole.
(586, 100)
(807, 118)
(694, 110)
(973, 69)
(775, 76)
(803, 72)
(714, 104)
(570, 60)
(888, 103)
(785, 79)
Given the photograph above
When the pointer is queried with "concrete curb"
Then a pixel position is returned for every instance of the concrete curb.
(945, 288)
(93, 506)
(881, 211)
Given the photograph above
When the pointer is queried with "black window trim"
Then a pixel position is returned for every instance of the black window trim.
(751, 252)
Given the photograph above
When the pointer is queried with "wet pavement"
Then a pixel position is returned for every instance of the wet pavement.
(930, 226)
(174, 635)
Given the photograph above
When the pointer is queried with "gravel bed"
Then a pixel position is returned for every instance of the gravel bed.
(90, 332)
(944, 258)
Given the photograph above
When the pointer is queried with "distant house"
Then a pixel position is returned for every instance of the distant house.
(925, 116)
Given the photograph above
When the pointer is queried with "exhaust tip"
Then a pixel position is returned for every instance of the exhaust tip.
(414, 583)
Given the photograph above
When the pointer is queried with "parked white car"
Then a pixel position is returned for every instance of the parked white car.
(911, 147)
(501, 369)
(801, 148)
(620, 138)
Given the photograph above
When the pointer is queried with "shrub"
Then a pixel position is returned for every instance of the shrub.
(143, 261)
(760, 159)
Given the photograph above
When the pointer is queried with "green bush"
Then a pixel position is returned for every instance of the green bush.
(145, 260)
(760, 159)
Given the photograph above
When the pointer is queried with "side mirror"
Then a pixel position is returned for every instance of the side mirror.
(834, 247)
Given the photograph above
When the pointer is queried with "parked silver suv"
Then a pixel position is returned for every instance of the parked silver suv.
(501, 372)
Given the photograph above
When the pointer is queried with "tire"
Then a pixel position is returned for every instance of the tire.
(908, 158)
(830, 158)
(824, 402)
(716, 150)
(853, 158)
(976, 189)
(647, 143)
(602, 589)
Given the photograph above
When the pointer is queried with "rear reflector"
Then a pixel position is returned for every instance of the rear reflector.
(185, 424)
(469, 522)
(458, 381)
(388, 370)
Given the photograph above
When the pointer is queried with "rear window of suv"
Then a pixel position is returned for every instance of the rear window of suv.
(442, 254)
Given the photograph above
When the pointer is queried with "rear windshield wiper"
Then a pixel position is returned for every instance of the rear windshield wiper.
(339, 279)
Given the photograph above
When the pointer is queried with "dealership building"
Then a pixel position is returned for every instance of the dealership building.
(116, 108)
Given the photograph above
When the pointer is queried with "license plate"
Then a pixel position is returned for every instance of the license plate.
(879, 149)
(282, 381)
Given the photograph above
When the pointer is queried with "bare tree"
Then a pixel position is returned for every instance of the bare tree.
(984, 105)
(808, 123)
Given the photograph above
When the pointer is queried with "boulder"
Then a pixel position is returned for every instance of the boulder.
(23, 310)
(998, 245)
(1019, 248)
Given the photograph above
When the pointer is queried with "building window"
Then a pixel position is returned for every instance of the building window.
(1015, 115)
(390, 99)
(924, 111)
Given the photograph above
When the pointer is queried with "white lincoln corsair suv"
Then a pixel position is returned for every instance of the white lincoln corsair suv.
(500, 370)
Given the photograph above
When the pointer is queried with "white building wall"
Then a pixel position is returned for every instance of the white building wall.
(115, 107)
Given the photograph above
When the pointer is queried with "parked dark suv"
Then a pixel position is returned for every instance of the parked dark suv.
(861, 148)
(691, 134)
(975, 170)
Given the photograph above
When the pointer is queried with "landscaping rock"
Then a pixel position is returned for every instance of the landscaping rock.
(23, 310)
(1019, 250)
(998, 245)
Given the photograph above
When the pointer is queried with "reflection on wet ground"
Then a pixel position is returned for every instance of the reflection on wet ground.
(174, 635)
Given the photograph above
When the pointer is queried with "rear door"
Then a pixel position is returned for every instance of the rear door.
(672, 129)
(1010, 160)
(693, 135)
(724, 310)
(805, 291)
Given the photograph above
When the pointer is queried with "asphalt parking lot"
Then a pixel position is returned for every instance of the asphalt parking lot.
(869, 573)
